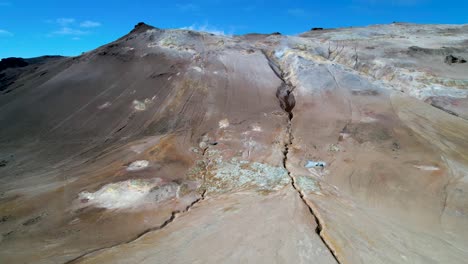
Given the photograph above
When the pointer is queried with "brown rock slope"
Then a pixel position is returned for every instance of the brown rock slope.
(174, 146)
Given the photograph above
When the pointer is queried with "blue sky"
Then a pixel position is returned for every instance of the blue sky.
(47, 27)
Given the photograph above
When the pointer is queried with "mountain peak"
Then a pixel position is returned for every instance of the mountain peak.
(141, 27)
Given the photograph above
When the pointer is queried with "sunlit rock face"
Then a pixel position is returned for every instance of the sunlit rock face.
(173, 146)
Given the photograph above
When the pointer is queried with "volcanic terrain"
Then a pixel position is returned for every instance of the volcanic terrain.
(174, 146)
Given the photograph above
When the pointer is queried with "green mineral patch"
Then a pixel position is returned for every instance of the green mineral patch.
(197, 171)
(237, 174)
(461, 84)
(169, 41)
(307, 184)
(184, 189)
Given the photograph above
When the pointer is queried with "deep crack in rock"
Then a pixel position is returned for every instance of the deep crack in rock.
(287, 102)
(173, 216)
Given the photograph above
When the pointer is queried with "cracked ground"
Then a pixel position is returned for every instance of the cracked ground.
(175, 146)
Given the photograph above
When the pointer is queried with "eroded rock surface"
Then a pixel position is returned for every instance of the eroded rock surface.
(174, 146)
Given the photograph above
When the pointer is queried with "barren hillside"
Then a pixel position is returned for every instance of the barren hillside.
(175, 146)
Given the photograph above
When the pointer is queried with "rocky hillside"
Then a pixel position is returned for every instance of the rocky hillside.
(174, 146)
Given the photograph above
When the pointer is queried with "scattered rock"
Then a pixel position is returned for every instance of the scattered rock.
(395, 146)
(453, 59)
(239, 174)
(139, 106)
(256, 128)
(205, 142)
(343, 136)
(3, 163)
(315, 164)
(32, 221)
(194, 150)
(334, 148)
(223, 123)
(203, 145)
(165, 192)
(4, 218)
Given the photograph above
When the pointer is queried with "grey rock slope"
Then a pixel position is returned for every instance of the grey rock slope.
(174, 146)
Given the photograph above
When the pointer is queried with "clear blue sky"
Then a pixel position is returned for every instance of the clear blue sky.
(40, 27)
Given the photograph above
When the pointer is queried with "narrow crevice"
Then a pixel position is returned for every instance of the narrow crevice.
(443, 109)
(287, 101)
(173, 216)
(318, 221)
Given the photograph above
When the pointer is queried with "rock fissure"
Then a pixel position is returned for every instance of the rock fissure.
(287, 102)
(173, 216)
